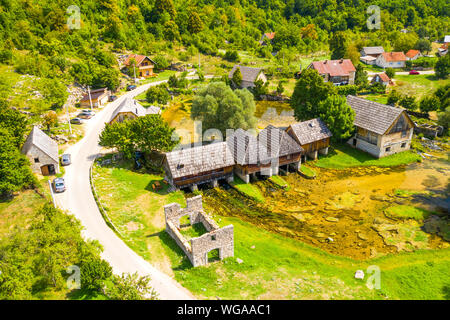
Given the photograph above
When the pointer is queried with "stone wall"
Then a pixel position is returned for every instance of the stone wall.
(197, 249)
(44, 159)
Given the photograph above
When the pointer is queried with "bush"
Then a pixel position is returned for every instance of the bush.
(232, 56)
(346, 90)
(157, 94)
(390, 72)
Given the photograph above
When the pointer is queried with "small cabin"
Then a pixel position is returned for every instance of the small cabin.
(42, 151)
(312, 135)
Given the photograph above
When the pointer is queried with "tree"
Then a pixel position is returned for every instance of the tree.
(442, 67)
(14, 122)
(390, 72)
(261, 88)
(130, 287)
(361, 79)
(444, 118)
(280, 88)
(195, 24)
(393, 98)
(50, 119)
(338, 116)
(15, 172)
(443, 94)
(94, 274)
(309, 90)
(231, 55)
(423, 45)
(161, 62)
(237, 77)
(431, 103)
(408, 102)
(157, 94)
(153, 134)
(118, 135)
(338, 45)
(219, 107)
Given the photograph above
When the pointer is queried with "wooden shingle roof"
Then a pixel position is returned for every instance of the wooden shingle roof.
(43, 142)
(373, 116)
(248, 74)
(245, 147)
(311, 131)
(193, 161)
(272, 137)
(373, 50)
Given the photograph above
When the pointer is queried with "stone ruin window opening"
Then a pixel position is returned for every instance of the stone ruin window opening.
(213, 255)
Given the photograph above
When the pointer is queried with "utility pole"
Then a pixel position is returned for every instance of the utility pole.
(134, 68)
(90, 99)
(68, 118)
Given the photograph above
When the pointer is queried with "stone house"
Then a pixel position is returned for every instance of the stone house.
(99, 97)
(339, 72)
(144, 65)
(381, 130)
(381, 78)
(391, 60)
(131, 109)
(249, 76)
(190, 167)
(413, 54)
(42, 151)
(372, 51)
(312, 135)
(197, 249)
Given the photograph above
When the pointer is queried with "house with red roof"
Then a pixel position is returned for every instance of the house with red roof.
(339, 72)
(413, 54)
(381, 78)
(267, 37)
(391, 60)
(143, 64)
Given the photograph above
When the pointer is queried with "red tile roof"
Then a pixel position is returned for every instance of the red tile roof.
(412, 53)
(393, 56)
(138, 57)
(270, 35)
(334, 68)
(383, 76)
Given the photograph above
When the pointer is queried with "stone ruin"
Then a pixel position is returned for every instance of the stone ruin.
(197, 249)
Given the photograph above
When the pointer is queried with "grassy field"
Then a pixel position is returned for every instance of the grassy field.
(418, 85)
(247, 189)
(307, 171)
(273, 267)
(407, 212)
(343, 156)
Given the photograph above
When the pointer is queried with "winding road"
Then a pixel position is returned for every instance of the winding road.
(79, 201)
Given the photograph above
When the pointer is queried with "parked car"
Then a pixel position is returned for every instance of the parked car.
(84, 115)
(131, 87)
(112, 98)
(59, 185)
(66, 159)
(91, 112)
(414, 72)
(76, 121)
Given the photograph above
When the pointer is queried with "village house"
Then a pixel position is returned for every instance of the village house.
(187, 168)
(413, 54)
(368, 60)
(143, 64)
(42, 151)
(372, 51)
(249, 76)
(339, 72)
(381, 130)
(131, 109)
(391, 60)
(381, 78)
(264, 154)
(443, 50)
(99, 97)
(312, 135)
(267, 37)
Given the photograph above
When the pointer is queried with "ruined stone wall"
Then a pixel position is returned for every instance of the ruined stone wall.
(197, 248)
(222, 239)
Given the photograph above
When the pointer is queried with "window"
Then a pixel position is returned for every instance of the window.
(403, 144)
(388, 149)
(36, 160)
(403, 133)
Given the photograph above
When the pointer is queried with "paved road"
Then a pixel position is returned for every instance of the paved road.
(401, 73)
(78, 200)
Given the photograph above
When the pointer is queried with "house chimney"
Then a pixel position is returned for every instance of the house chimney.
(325, 62)
(342, 60)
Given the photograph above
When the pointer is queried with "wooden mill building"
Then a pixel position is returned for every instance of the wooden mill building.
(312, 135)
(381, 130)
(190, 167)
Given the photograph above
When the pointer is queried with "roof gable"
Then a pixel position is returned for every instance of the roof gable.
(373, 50)
(43, 142)
(393, 56)
(412, 53)
(192, 161)
(272, 137)
(310, 131)
(138, 58)
(248, 74)
(373, 116)
(132, 106)
(334, 68)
